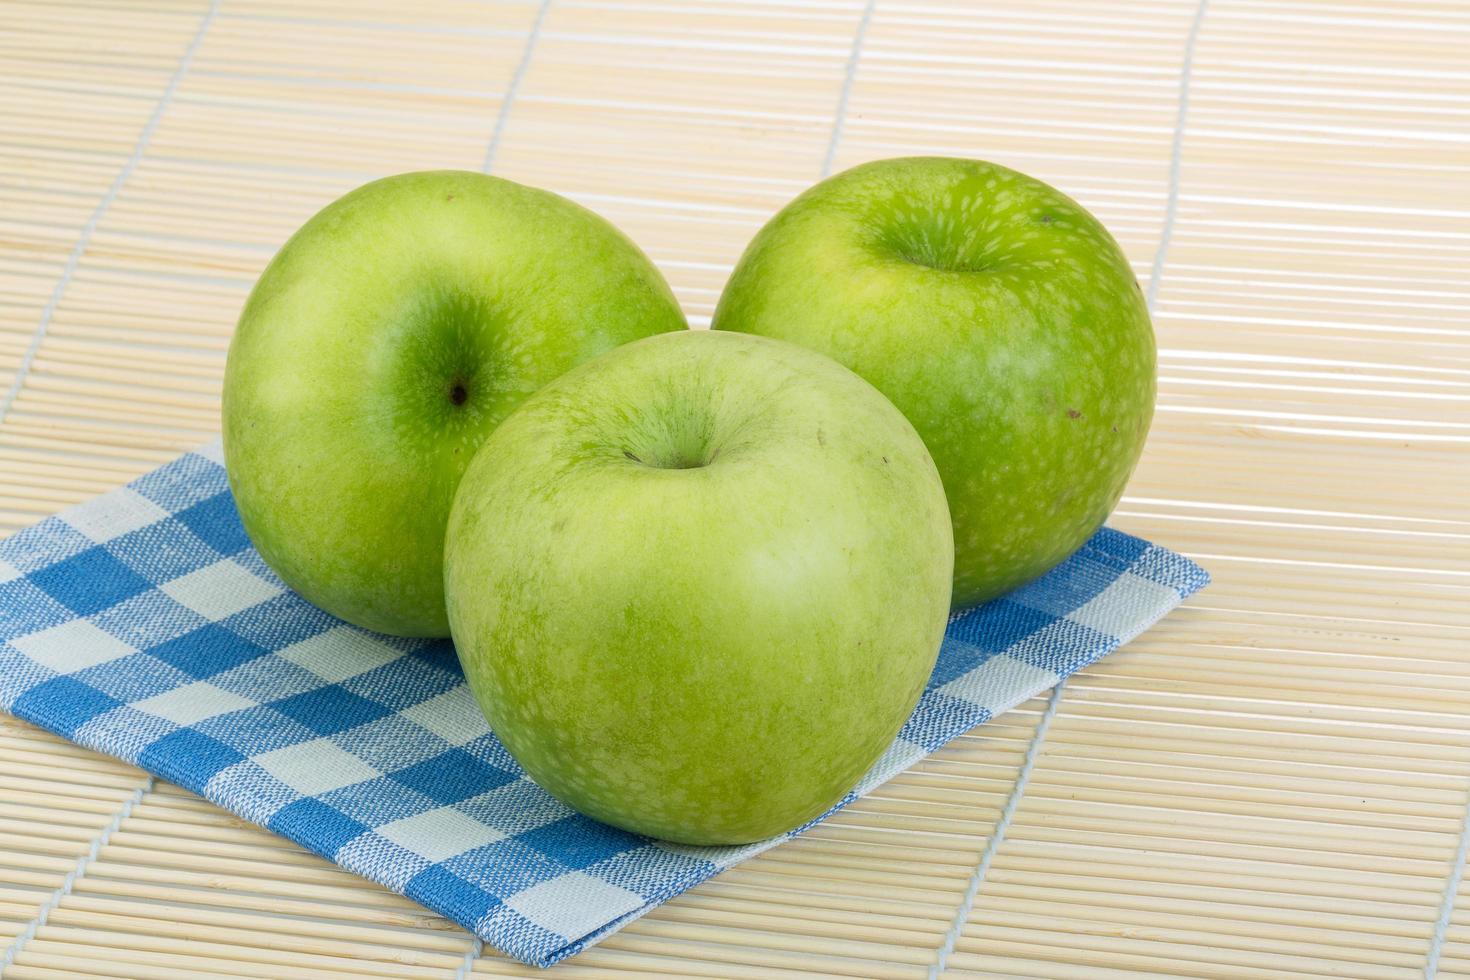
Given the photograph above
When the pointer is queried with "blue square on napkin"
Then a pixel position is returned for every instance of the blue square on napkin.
(453, 777)
(66, 703)
(216, 522)
(185, 756)
(142, 624)
(207, 651)
(89, 582)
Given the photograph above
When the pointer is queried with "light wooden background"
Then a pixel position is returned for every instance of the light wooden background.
(1272, 783)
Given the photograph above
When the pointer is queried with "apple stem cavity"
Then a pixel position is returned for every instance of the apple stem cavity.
(671, 461)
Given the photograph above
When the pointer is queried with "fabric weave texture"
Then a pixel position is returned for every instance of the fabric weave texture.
(142, 624)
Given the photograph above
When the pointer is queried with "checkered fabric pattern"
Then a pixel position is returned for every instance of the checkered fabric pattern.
(142, 624)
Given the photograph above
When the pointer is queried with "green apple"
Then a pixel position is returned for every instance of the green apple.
(998, 315)
(381, 346)
(698, 584)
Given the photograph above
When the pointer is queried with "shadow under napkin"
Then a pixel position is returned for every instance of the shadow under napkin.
(142, 624)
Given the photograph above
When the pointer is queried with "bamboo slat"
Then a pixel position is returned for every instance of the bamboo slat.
(1272, 783)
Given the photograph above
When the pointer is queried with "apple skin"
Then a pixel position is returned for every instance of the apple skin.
(380, 347)
(998, 315)
(698, 584)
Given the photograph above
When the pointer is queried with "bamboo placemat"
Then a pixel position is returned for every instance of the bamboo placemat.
(1271, 783)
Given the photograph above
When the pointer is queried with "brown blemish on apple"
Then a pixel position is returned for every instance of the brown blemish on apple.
(1072, 413)
(448, 197)
(629, 453)
(821, 437)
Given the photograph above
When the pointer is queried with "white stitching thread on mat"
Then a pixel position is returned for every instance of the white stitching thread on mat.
(1176, 157)
(67, 883)
(840, 117)
(473, 953)
(515, 86)
(962, 914)
(1171, 211)
(1447, 901)
(85, 238)
(468, 963)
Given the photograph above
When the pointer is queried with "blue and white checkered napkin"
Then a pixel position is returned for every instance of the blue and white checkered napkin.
(142, 624)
